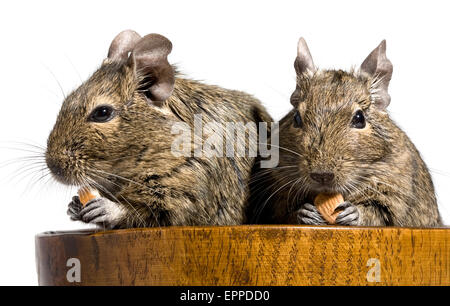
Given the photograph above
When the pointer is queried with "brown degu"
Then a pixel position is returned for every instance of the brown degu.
(339, 139)
(114, 135)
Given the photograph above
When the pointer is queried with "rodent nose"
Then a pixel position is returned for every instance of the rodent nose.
(54, 167)
(322, 177)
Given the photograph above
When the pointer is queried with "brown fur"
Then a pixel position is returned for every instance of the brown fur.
(377, 169)
(129, 159)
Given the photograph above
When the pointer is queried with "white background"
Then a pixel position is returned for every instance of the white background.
(246, 45)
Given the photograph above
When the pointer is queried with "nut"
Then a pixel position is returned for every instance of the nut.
(86, 194)
(326, 203)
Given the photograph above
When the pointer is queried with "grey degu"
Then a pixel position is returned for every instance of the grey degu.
(339, 138)
(114, 134)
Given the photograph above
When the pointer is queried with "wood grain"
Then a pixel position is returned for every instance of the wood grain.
(247, 255)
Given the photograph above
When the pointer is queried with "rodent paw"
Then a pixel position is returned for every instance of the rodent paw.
(349, 214)
(308, 214)
(102, 212)
(74, 209)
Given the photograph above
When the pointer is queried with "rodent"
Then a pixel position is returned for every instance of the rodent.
(339, 138)
(113, 133)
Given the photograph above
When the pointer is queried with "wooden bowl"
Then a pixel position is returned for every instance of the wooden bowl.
(246, 255)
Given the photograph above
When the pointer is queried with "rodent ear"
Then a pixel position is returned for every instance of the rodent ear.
(304, 63)
(378, 66)
(304, 67)
(153, 71)
(122, 44)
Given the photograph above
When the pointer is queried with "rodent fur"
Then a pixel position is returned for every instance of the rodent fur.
(377, 169)
(129, 158)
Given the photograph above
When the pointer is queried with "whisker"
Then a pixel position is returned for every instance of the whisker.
(56, 79)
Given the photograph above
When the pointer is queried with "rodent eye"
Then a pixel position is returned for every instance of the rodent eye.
(102, 113)
(359, 121)
(298, 123)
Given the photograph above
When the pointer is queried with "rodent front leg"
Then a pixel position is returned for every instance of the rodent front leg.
(308, 214)
(99, 211)
(74, 209)
(369, 214)
(349, 214)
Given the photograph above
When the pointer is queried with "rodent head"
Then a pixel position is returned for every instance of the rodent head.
(116, 114)
(338, 128)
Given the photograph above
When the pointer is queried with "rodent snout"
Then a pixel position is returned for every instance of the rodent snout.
(54, 167)
(322, 177)
(63, 167)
